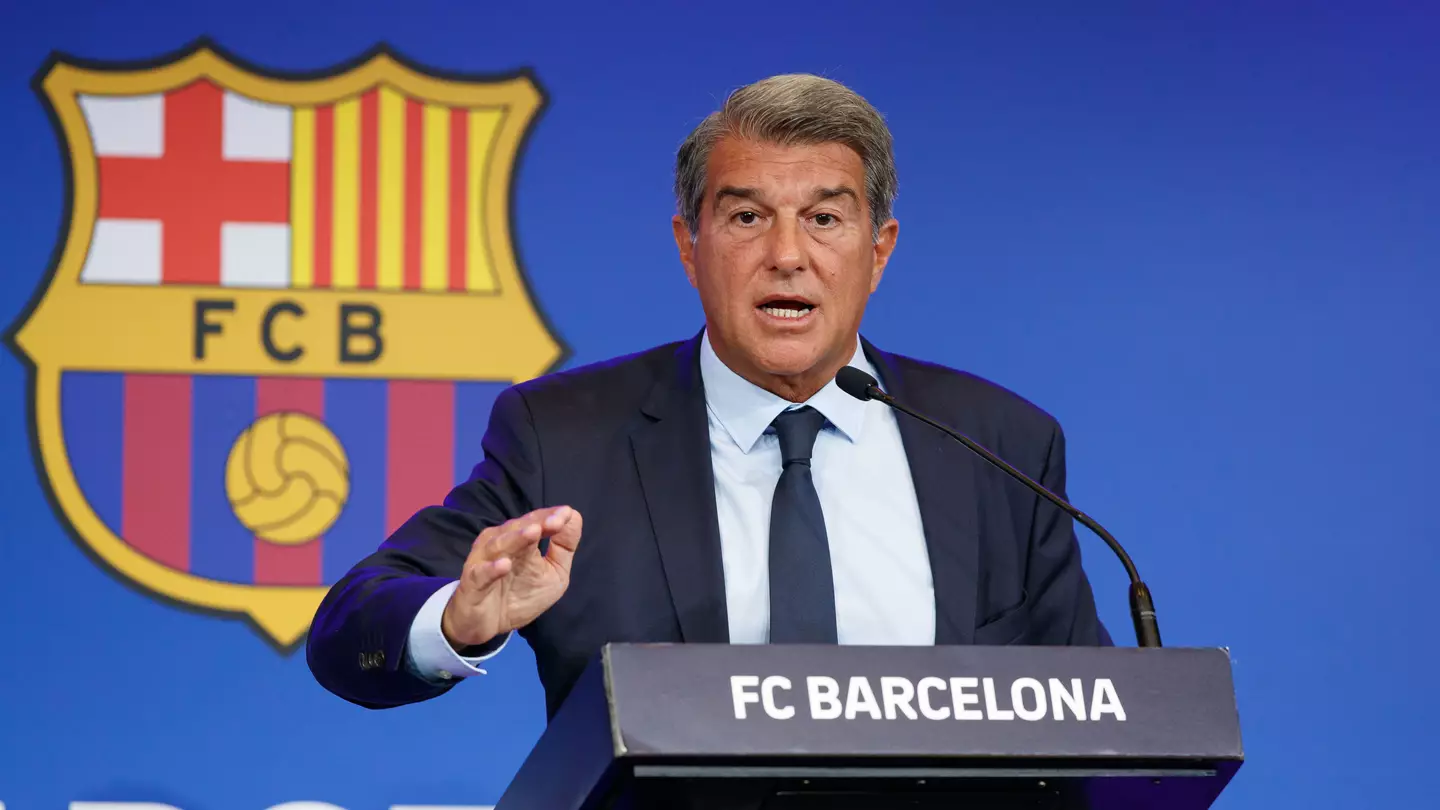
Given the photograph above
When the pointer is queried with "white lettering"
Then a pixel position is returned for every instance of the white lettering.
(768, 692)
(740, 694)
(824, 697)
(927, 685)
(1073, 698)
(1017, 699)
(898, 694)
(1030, 699)
(1106, 701)
(961, 698)
(861, 698)
(992, 710)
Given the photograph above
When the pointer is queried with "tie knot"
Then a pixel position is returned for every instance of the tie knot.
(797, 430)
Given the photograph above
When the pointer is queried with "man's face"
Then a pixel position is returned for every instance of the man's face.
(784, 260)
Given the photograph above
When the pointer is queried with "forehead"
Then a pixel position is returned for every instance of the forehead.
(761, 165)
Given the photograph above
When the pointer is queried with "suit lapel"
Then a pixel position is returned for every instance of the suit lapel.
(672, 453)
(944, 476)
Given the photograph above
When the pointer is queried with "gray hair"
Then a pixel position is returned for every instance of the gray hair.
(792, 109)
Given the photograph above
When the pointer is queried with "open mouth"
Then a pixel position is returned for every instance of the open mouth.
(790, 309)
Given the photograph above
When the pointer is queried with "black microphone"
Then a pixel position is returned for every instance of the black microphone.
(860, 385)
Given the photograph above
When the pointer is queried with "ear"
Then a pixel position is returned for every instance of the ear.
(685, 246)
(884, 246)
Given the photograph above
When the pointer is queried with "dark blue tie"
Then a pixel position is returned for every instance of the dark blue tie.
(802, 593)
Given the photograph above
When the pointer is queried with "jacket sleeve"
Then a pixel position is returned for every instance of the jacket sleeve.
(1062, 604)
(356, 646)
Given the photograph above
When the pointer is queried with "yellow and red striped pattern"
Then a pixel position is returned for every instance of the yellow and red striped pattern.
(387, 193)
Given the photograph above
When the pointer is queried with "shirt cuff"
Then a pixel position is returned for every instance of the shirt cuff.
(429, 653)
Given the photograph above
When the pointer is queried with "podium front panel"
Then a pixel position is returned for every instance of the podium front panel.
(793, 726)
(771, 701)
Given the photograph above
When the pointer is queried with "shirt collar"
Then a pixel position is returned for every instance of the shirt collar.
(745, 410)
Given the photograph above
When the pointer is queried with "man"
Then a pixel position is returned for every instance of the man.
(723, 489)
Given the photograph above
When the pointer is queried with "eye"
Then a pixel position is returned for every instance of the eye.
(747, 217)
(825, 220)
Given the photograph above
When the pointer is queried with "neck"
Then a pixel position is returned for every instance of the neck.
(789, 387)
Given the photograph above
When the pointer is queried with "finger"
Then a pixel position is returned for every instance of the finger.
(565, 541)
(481, 578)
(514, 534)
(517, 536)
(521, 535)
(566, 531)
(488, 537)
(556, 518)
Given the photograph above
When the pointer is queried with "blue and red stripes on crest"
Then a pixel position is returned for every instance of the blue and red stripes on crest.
(149, 453)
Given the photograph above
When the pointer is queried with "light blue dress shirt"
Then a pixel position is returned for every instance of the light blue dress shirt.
(884, 593)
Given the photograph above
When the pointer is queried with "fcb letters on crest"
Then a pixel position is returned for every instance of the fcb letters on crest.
(358, 338)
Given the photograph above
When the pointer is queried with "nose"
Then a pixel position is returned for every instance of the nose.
(787, 251)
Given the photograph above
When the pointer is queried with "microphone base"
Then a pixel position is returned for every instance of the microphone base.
(1142, 612)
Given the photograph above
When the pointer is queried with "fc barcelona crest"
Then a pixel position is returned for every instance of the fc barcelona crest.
(280, 311)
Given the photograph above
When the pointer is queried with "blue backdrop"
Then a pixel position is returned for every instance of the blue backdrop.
(1205, 236)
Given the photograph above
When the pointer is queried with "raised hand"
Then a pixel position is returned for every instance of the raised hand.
(507, 582)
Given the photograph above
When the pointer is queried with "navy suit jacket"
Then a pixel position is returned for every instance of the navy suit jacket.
(626, 442)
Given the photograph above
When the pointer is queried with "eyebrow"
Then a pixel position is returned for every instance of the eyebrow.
(735, 191)
(839, 191)
(821, 195)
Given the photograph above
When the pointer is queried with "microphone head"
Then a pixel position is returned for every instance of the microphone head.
(855, 382)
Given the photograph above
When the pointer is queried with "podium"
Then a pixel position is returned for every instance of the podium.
(780, 726)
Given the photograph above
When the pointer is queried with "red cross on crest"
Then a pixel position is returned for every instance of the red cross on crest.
(192, 188)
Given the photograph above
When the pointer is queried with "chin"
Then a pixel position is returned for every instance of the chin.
(786, 358)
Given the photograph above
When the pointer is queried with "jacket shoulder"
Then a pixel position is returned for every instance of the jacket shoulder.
(975, 397)
(601, 387)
